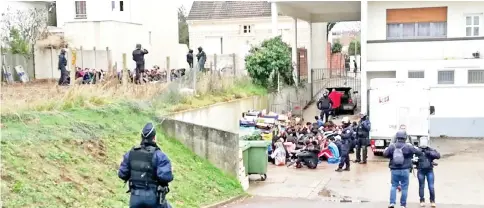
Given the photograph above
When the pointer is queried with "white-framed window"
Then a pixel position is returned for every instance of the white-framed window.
(445, 77)
(475, 76)
(247, 29)
(417, 30)
(81, 9)
(473, 25)
(416, 74)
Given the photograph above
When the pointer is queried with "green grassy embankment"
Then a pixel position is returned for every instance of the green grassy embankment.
(69, 157)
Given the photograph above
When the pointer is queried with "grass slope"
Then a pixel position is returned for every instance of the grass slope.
(70, 159)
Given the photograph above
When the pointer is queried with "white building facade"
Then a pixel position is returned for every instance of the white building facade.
(440, 43)
(120, 25)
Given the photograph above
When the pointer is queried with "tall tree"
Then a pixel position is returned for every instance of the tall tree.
(21, 29)
(182, 26)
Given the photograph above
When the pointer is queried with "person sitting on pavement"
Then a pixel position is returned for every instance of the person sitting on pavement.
(332, 153)
(400, 155)
(279, 154)
(308, 155)
(319, 121)
(425, 166)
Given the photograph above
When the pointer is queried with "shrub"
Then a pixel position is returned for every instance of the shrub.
(265, 61)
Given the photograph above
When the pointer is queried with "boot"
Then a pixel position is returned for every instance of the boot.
(363, 162)
(432, 204)
(357, 161)
(346, 169)
(339, 170)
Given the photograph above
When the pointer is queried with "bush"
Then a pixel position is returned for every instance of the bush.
(336, 48)
(266, 60)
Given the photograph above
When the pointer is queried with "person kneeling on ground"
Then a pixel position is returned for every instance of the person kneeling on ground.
(309, 155)
(279, 154)
(332, 154)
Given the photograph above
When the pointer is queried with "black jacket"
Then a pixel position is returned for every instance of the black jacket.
(139, 56)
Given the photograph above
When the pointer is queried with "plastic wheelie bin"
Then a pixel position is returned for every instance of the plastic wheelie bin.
(257, 158)
(244, 146)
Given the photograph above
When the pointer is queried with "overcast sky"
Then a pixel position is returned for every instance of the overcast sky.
(342, 26)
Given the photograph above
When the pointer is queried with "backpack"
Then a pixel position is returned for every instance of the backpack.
(398, 158)
(424, 162)
(324, 104)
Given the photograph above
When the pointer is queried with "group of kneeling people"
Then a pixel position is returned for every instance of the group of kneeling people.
(313, 143)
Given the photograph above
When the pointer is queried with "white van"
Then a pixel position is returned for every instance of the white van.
(395, 104)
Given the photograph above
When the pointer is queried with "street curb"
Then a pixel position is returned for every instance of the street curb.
(225, 202)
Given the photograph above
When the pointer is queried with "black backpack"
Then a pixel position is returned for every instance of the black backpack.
(424, 162)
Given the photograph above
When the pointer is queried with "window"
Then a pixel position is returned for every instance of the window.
(417, 30)
(416, 74)
(473, 25)
(445, 77)
(416, 23)
(81, 10)
(475, 77)
(247, 29)
(121, 6)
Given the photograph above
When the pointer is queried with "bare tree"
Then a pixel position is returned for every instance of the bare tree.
(21, 29)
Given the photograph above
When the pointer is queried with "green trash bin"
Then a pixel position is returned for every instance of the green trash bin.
(258, 157)
(244, 146)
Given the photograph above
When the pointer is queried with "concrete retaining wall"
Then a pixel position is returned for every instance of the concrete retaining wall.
(219, 147)
(224, 116)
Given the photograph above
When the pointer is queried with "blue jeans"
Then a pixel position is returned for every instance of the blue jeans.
(144, 198)
(429, 174)
(399, 177)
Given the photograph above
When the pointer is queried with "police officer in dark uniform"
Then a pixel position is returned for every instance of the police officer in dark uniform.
(139, 57)
(362, 138)
(148, 171)
(345, 145)
(62, 67)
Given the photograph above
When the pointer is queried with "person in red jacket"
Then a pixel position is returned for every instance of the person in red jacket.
(335, 97)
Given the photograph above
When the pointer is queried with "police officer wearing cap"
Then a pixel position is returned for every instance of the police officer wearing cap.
(148, 171)
(362, 139)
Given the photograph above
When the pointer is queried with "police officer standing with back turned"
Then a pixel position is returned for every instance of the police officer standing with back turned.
(139, 57)
(344, 145)
(148, 171)
(362, 138)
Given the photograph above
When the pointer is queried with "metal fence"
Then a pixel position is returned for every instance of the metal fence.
(43, 62)
(226, 63)
(290, 99)
(325, 79)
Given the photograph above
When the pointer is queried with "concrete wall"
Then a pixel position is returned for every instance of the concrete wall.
(223, 115)
(219, 147)
(46, 61)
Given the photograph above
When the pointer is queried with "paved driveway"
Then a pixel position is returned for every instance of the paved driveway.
(459, 180)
